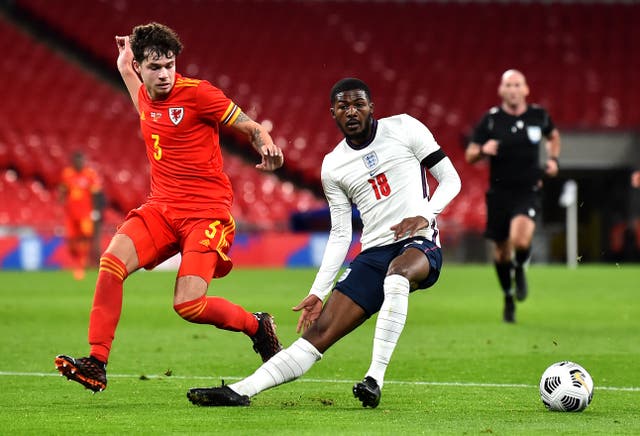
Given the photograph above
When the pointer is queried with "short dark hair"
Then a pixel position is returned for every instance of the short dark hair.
(349, 84)
(154, 39)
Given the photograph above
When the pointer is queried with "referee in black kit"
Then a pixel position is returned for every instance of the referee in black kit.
(510, 136)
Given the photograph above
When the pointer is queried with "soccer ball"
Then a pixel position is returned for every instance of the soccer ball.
(566, 387)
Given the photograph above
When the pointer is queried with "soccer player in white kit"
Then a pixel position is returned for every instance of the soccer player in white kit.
(380, 166)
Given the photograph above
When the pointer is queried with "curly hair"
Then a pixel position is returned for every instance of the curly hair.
(154, 40)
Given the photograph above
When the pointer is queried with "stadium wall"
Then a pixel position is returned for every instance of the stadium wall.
(259, 250)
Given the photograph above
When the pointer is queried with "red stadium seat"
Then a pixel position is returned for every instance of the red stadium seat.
(580, 59)
(81, 114)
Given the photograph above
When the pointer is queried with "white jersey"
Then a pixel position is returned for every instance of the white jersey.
(384, 180)
(387, 183)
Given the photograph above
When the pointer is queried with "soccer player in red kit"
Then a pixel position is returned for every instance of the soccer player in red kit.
(79, 186)
(188, 209)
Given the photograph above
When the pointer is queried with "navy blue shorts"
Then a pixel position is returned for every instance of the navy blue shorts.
(364, 279)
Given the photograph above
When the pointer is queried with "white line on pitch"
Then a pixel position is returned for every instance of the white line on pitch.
(320, 380)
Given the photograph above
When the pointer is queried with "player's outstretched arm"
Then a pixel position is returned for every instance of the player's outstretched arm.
(125, 67)
(272, 156)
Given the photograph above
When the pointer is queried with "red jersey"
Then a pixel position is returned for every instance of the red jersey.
(80, 187)
(181, 133)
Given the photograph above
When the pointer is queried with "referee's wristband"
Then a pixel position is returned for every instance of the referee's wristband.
(555, 158)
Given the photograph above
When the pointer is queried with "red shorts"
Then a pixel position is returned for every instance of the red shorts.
(78, 227)
(160, 231)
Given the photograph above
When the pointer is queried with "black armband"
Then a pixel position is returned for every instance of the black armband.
(435, 157)
(555, 158)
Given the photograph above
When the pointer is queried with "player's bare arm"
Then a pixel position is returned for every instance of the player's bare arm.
(125, 67)
(553, 151)
(311, 307)
(272, 156)
(476, 151)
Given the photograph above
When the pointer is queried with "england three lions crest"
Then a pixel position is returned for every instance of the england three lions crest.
(176, 114)
(370, 160)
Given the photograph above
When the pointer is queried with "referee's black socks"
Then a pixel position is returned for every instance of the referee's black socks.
(504, 276)
(522, 256)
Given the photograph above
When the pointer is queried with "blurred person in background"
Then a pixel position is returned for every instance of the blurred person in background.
(189, 208)
(635, 179)
(380, 167)
(81, 193)
(509, 136)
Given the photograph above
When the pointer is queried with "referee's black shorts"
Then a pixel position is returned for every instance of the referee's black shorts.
(504, 204)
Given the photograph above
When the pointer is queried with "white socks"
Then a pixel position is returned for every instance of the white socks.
(285, 366)
(294, 361)
(389, 324)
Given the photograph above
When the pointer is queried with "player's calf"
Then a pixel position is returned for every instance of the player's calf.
(509, 311)
(522, 289)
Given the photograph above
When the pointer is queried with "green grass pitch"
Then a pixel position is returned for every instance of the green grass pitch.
(458, 369)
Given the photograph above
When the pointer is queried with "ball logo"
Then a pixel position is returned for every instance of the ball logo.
(578, 381)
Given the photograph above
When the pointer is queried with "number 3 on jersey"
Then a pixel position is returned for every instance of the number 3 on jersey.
(380, 186)
(157, 150)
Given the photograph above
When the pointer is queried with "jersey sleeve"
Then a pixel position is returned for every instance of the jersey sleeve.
(65, 176)
(214, 106)
(95, 182)
(339, 238)
(481, 133)
(548, 125)
(419, 137)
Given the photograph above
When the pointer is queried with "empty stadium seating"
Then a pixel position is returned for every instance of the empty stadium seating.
(437, 61)
(55, 107)
(27, 202)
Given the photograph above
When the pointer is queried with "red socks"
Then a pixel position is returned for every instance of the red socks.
(107, 306)
(218, 312)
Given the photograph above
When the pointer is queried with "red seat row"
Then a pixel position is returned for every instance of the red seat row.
(54, 108)
(439, 62)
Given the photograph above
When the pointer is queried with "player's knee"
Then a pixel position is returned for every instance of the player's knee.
(113, 265)
(502, 254)
(191, 310)
(413, 274)
(503, 257)
(521, 244)
(400, 270)
(396, 284)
